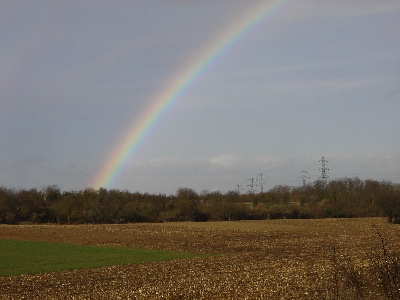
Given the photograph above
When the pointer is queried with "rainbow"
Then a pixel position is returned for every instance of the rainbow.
(142, 127)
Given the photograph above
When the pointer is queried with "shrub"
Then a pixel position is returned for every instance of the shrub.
(377, 278)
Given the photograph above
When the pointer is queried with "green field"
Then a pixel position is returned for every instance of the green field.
(31, 257)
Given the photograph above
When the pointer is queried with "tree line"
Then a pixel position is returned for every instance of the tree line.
(347, 197)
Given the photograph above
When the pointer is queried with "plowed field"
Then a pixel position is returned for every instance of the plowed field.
(271, 259)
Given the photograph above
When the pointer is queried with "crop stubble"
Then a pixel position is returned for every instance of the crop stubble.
(272, 259)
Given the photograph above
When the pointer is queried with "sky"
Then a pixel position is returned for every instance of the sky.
(310, 78)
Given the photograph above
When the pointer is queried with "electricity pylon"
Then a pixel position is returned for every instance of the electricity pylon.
(261, 182)
(304, 176)
(251, 185)
(324, 169)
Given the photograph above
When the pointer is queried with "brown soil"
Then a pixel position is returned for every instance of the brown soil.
(277, 259)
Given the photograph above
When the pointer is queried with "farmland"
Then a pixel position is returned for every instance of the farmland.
(270, 259)
(32, 257)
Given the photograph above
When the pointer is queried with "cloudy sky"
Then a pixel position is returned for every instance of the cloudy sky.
(313, 78)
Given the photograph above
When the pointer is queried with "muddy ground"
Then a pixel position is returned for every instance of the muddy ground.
(271, 259)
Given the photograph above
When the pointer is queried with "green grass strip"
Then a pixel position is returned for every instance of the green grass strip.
(32, 257)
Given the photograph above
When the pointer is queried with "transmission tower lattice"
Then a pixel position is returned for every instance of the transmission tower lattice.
(324, 169)
(251, 185)
(262, 181)
(304, 176)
